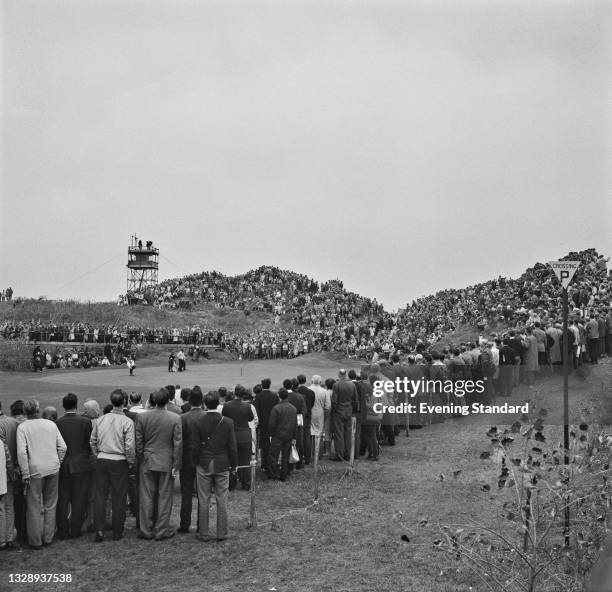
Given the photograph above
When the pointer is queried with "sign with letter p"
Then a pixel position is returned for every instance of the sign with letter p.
(565, 271)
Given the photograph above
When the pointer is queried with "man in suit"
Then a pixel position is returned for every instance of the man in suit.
(364, 390)
(357, 410)
(309, 398)
(112, 443)
(601, 328)
(188, 469)
(344, 396)
(214, 454)
(516, 344)
(159, 451)
(592, 332)
(283, 429)
(506, 363)
(241, 413)
(264, 401)
(297, 400)
(77, 470)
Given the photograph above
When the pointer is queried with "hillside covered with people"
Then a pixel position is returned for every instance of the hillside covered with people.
(280, 313)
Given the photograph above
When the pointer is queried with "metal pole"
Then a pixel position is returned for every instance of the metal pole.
(566, 444)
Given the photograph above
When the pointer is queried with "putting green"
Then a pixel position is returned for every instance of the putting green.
(50, 385)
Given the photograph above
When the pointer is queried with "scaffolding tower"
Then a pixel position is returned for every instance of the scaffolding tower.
(142, 270)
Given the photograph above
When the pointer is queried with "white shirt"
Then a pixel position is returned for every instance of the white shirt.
(495, 355)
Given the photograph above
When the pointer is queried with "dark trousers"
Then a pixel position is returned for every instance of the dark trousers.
(593, 349)
(264, 444)
(244, 458)
(362, 440)
(370, 441)
(489, 394)
(307, 439)
(188, 474)
(357, 436)
(73, 497)
(113, 474)
(133, 491)
(506, 381)
(282, 448)
(342, 434)
(20, 511)
(389, 433)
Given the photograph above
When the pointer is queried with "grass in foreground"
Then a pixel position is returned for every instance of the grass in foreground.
(353, 540)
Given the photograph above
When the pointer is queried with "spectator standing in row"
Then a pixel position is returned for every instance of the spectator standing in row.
(158, 449)
(283, 430)
(343, 399)
(112, 443)
(320, 410)
(188, 469)
(8, 436)
(264, 402)
(213, 445)
(592, 335)
(297, 400)
(506, 363)
(309, 397)
(76, 472)
(40, 452)
(241, 414)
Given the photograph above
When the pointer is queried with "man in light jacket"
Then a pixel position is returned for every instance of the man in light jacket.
(112, 443)
(40, 452)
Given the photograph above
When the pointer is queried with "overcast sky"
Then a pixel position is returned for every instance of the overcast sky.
(403, 147)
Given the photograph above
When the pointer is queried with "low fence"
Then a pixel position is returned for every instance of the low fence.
(103, 338)
(350, 466)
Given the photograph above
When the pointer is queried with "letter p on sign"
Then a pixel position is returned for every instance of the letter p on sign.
(565, 271)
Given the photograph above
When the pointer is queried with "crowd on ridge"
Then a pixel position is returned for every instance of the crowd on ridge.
(325, 317)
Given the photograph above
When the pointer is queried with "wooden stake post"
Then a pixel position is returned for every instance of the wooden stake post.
(317, 444)
(352, 452)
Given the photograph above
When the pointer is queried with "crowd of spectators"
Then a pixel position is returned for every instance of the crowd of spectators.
(56, 471)
(268, 289)
(312, 317)
(515, 302)
(80, 356)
